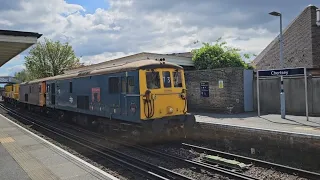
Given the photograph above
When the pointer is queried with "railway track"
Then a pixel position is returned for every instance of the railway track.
(261, 163)
(200, 165)
(197, 164)
(152, 170)
(141, 167)
(220, 170)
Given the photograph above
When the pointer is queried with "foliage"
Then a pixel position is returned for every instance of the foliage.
(22, 75)
(219, 55)
(49, 59)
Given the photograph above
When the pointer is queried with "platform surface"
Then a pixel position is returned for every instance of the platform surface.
(26, 156)
(271, 122)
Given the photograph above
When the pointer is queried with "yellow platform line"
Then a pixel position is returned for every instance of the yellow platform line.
(34, 168)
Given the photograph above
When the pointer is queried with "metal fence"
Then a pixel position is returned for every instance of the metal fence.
(294, 92)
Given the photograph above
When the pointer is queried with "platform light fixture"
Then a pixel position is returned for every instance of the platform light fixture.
(274, 13)
(282, 94)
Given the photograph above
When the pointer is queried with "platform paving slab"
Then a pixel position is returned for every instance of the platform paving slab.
(9, 168)
(27, 156)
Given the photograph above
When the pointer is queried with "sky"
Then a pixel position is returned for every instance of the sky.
(101, 30)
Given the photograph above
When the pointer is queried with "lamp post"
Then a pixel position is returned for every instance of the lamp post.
(282, 94)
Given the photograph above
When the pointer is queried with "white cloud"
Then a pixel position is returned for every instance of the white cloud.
(5, 23)
(17, 58)
(102, 57)
(132, 26)
(15, 68)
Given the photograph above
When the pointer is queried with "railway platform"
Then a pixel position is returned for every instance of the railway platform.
(273, 123)
(293, 141)
(26, 156)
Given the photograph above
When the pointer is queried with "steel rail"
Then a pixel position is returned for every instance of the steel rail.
(206, 166)
(266, 164)
(198, 164)
(148, 169)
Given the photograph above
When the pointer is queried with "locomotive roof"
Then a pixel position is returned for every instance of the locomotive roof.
(130, 66)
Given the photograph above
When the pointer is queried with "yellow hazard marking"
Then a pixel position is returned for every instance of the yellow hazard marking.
(6, 140)
(305, 128)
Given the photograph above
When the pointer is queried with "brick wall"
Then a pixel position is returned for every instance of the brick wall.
(315, 38)
(295, 150)
(220, 99)
(297, 44)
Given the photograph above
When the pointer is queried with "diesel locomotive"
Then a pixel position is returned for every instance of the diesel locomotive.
(145, 96)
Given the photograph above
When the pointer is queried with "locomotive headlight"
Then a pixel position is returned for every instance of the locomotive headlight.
(169, 110)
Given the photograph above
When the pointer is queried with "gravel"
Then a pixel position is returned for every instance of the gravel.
(120, 172)
(176, 150)
(111, 168)
(170, 164)
(257, 172)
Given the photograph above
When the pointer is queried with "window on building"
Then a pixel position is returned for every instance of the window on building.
(29, 89)
(177, 79)
(114, 85)
(39, 88)
(166, 79)
(130, 84)
(153, 80)
(70, 87)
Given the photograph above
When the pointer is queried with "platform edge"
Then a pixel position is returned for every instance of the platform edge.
(63, 151)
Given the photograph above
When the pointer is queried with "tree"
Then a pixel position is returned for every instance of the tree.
(50, 59)
(218, 55)
(22, 76)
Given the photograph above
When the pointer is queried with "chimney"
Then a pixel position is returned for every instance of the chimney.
(318, 17)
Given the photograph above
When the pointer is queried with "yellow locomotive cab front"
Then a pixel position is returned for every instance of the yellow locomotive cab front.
(163, 101)
(163, 93)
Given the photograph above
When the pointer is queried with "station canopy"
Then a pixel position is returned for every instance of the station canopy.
(13, 43)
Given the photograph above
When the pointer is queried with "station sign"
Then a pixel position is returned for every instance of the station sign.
(204, 89)
(282, 72)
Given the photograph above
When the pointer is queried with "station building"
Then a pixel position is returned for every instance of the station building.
(13, 43)
(301, 44)
(183, 59)
(301, 48)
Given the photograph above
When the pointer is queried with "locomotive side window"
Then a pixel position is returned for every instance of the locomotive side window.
(130, 84)
(53, 88)
(166, 79)
(123, 84)
(153, 80)
(70, 87)
(114, 85)
(177, 79)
